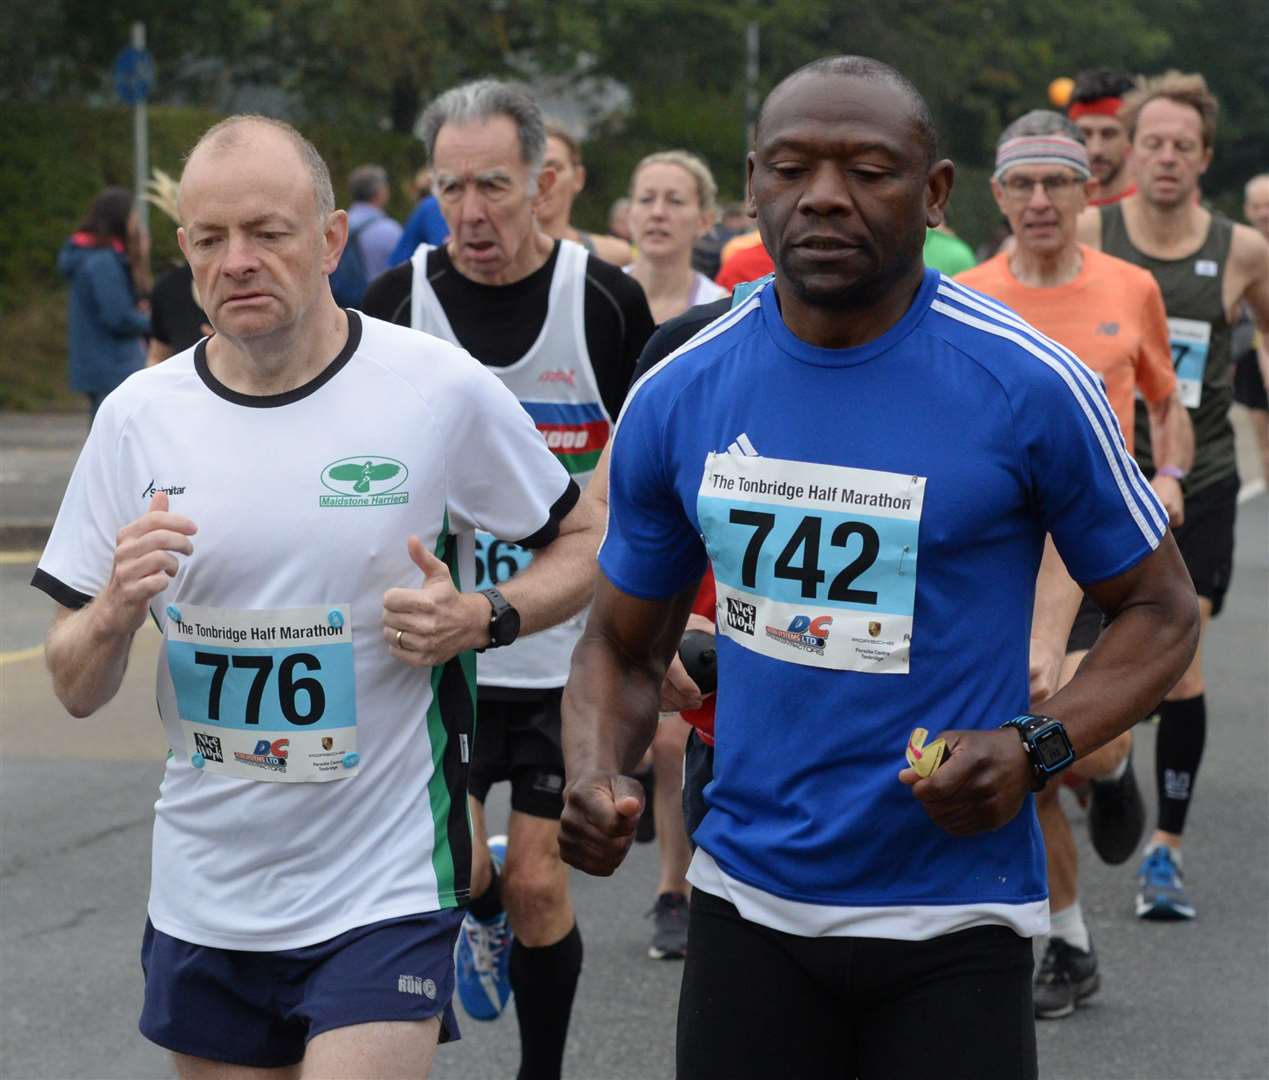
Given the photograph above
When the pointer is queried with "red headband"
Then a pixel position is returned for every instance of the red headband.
(1107, 106)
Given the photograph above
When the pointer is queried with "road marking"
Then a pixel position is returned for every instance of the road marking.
(18, 558)
(18, 655)
(1250, 490)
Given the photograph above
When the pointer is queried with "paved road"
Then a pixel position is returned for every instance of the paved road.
(1184, 1001)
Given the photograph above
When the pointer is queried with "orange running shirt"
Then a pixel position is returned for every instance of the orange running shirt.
(745, 264)
(1111, 316)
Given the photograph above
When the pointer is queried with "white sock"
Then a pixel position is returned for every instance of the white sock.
(1068, 924)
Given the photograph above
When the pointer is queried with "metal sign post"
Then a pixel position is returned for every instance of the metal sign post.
(134, 77)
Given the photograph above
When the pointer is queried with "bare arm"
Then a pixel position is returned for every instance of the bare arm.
(1139, 657)
(87, 650)
(1057, 600)
(610, 716)
(1172, 440)
(438, 622)
(1252, 251)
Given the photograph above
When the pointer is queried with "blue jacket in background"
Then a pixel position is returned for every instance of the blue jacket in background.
(425, 226)
(106, 329)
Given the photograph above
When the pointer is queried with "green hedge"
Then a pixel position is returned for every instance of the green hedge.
(56, 158)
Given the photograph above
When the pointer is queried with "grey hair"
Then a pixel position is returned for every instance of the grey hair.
(366, 181)
(483, 100)
(227, 134)
(1041, 122)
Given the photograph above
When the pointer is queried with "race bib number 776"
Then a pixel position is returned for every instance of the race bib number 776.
(814, 564)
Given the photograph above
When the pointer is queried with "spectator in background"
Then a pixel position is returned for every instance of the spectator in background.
(107, 321)
(554, 208)
(426, 225)
(177, 319)
(619, 218)
(369, 225)
(707, 252)
(1251, 373)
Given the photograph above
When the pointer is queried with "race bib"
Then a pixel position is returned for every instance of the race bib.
(266, 695)
(814, 564)
(498, 560)
(1190, 340)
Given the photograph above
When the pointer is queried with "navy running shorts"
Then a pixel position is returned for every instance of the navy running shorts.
(261, 1008)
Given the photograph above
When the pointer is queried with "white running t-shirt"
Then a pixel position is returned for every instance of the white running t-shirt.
(316, 784)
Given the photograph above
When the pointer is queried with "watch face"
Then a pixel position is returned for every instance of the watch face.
(1051, 748)
(506, 627)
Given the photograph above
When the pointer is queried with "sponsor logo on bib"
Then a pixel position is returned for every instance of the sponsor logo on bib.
(365, 480)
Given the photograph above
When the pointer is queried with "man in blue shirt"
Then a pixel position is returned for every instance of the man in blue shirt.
(375, 232)
(870, 456)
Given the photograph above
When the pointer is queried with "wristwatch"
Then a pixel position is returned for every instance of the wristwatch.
(504, 622)
(1046, 743)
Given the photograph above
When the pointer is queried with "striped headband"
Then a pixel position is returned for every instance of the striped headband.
(1042, 150)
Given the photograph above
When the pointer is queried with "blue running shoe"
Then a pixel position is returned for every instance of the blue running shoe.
(483, 957)
(1160, 894)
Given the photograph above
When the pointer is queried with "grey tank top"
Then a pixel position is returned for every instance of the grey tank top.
(1201, 344)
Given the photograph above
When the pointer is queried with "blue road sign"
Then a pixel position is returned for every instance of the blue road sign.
(134, 74)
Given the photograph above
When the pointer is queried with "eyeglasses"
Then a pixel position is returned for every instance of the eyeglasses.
(1021, 187)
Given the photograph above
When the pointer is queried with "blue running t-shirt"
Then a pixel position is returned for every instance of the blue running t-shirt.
(875, 519)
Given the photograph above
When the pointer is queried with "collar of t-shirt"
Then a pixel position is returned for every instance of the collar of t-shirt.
(798, 349)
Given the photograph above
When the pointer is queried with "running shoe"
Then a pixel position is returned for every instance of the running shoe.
(1067, 977)
(669, 921)
(1116, 817)
(1160, 894)
(483, 957)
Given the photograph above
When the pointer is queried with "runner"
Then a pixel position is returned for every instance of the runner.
(1096, 99)
(555, 208)
(1249, 378)
(1205, 266)
(290, 502)
(1109, 313)
(562, 329)
(938, 438)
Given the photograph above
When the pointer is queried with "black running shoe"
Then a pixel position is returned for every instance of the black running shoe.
(1067, 976)
(1116, 817)
(669, 935)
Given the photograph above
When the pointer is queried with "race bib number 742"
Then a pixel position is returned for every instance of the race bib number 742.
(814, 564)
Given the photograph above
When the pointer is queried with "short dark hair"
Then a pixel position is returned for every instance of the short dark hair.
(366, 181)
(1097, 83)
(865, 67)
(107, 216)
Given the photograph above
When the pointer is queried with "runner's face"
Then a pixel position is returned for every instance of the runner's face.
(1168, 152)
(1108, 147)
(251, 231)
(486, 194)
(665, 212)
(1257, 205)
(839, 183)
(557, 204)
(1042, 203)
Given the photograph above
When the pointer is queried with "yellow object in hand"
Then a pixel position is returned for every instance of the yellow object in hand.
(925, 759)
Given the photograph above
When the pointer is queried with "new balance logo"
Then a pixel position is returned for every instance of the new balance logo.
(412, 984)
(742, 446)
(1110, 329)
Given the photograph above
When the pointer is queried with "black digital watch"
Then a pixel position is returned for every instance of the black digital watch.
(1047, 745)
(504, 621)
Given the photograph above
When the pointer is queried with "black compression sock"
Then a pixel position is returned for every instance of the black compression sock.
(544, 981)
(1178, 751)
(488, 905)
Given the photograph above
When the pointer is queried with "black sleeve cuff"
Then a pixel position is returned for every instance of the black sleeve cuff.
(559, 512)
(63, 594)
